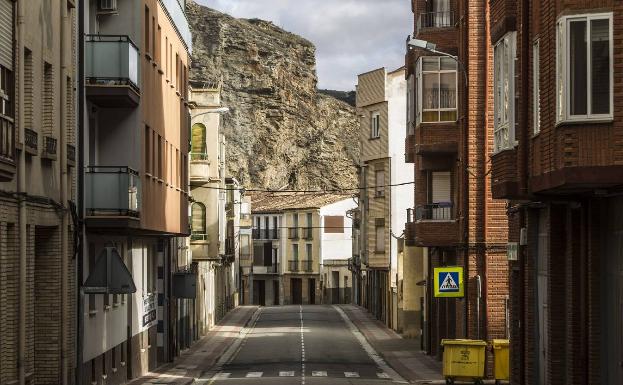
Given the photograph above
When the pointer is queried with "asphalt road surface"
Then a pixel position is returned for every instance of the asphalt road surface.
(305, 345)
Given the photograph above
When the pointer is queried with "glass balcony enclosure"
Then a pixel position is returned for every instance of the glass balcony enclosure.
(112, 191)
(111, 60)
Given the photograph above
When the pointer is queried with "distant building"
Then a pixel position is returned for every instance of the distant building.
(293, 236)
(382, 211)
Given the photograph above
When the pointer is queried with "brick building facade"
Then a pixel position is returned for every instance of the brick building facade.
(37, 183)
(558, 163)
(449, 139)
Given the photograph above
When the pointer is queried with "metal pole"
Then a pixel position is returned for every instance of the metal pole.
(80, 196)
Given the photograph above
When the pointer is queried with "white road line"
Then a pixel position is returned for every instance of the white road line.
(302, 346)
(254, 374)
(383, 375)
(380, 362)
(351, 374)
(221, 376)
(286, 374)
(319, 373)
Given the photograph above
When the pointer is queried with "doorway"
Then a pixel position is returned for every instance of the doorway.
(275, 292)
(335, 287)
(312, 291)
(259, 292)
(297, 291)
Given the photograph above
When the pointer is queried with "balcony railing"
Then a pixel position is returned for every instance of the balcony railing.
(71, 155)
(265, 233)
(111, 60)
(198, 156)
(31, 141)
(293, 265)
(199, 237)
(308, 265)
(442, 211)
(293, 233)
(112, 191)
(306, 232)
(443, 19)
(49, 148)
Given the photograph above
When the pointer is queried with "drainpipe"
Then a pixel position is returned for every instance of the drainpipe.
(21, 191)
(80, 196)
(64, 198)
(465, 171)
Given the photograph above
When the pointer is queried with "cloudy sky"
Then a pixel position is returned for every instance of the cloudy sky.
(351, 36)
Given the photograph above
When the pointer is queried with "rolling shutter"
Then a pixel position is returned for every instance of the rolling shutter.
(441, 187)
(6, 34)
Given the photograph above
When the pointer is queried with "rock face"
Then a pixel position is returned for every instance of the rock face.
(280, 131)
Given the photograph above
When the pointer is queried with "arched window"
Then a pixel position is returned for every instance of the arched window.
(198, 141)
(198, 216)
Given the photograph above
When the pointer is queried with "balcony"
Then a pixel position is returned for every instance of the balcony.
(266, 234)
(111, 71)
(435, 225)
(199, 167)
(504, 177)
(270, 269)
(71, 155)
(49, 148)
(293, 233)
(113, 196)
(245, 220)
(31, 141)
(308, 265)
(200, 247)
(436, 20)
(293, 265)
(307, 233)
(7, 148)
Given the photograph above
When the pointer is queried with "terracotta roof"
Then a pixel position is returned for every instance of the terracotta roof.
(276, 202)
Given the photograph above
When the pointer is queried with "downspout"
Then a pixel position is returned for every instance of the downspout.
(485, 291)
(465, 171)
(21, 193)
(80, 196)
(63, 178)
(523, 145)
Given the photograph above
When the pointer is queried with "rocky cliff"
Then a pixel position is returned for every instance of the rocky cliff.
(281, 132)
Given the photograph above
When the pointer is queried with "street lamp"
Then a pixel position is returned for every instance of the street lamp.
(219, 110)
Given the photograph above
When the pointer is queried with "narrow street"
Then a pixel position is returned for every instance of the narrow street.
(301, 344)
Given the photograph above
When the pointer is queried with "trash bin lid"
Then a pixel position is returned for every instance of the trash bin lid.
(463, 342)
(500, 344)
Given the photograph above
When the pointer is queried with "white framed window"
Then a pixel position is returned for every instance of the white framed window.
(436, 89)
(375, 125)
(536, 88)
(504, 54)
(584, 66)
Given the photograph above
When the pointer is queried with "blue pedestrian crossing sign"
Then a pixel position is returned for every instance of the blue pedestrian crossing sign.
(448, 282)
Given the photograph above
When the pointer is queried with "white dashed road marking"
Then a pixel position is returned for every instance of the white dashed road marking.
(351, 374)
(302, 347)
(383, 375)
(254, 374)
(319, 373)
(221, 376)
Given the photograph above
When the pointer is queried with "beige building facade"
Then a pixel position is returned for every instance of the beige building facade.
(37, 180)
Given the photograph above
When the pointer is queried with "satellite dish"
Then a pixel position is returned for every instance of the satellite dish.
(110, 275)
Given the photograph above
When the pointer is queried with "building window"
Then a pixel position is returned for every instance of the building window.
(379, 188)
(147, 149)
(379, 228)
(198, 213)
(536, 91)
(437, 85)
(375, 125)
(504, 91)
(146, 26)
(584, 67)
(295, 251)
(245, 245)
(334, 224)
(6, 114)
(48, 98)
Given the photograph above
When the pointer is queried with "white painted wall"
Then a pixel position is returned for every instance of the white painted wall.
(337, 246)
(402, 197)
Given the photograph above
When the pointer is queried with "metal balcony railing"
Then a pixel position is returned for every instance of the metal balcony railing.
(31, 140)
(293, 265)
(7, 141)
(273, 269)
(442, 211)
(49, 147)
(199, 237)
(71, 154)
(293, 233)
(198, 156)
(111, 60)
(443, 19)
(306, 232)
(308, 265)
(256, 233)
(112, 191)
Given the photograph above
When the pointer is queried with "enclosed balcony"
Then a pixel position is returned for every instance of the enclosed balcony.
(199, 167)
(113, 196)
(200, 247)
(111, 71)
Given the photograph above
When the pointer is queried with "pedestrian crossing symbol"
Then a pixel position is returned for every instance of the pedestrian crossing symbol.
(448, 282)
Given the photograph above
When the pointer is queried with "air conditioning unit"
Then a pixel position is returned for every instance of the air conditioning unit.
(108, 5)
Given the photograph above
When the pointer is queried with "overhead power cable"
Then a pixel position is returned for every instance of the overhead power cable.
(325, 191)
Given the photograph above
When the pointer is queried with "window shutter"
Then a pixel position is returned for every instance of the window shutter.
(441, 186)
(6, 34)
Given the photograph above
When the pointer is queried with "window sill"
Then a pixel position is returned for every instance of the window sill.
(92, 313)
(576, 121)
(374, 138)
(379, 252)
(379, 195)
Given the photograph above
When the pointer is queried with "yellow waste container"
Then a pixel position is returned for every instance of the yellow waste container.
(500, 360)
(463, 360)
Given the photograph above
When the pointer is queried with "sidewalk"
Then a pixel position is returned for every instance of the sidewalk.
(402, 354)
(203, 354)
